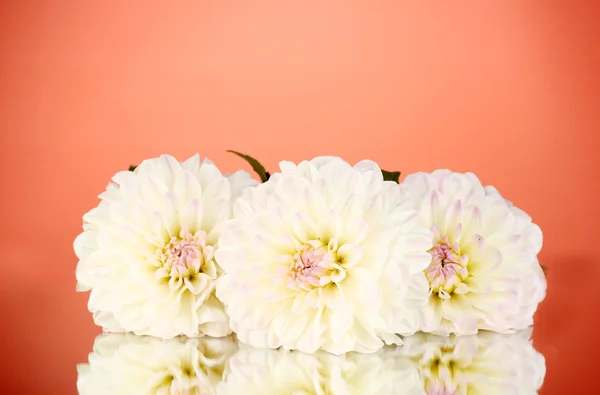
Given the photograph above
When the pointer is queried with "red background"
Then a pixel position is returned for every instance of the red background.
(509, 90)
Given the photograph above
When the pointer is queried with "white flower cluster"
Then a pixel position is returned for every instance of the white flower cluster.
(321, 256)
(489, 363)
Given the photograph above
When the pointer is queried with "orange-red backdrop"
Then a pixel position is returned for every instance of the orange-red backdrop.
(508, 90)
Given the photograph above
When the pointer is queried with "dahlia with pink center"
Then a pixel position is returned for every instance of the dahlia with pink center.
(147, 251)
(324, 255)
(484, 272)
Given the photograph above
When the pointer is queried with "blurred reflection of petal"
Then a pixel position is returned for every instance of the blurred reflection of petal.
(253, 372)
(487, 363)
(129, 364)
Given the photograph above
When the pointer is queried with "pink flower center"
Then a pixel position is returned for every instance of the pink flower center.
(447, 269)
(314, 265)
(184, 256)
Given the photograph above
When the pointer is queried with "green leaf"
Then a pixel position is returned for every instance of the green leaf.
(391, 175)
(132, 167)
(258, 168)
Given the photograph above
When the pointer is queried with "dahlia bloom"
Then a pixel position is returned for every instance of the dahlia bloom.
(147, 250)
(128, 364)
(486, 363)
(258, 372)
(324, 255)
(484, 272)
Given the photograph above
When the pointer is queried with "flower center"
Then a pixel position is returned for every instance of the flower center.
(187, 261)
(315, 265)
(447, 269)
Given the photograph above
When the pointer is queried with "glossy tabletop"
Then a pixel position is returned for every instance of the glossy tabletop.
(507, 90)
(488, 363)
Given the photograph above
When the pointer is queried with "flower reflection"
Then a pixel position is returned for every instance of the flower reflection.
(487, 363)
(129, 364)
(254, 372)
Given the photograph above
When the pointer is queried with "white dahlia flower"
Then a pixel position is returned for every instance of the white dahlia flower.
(324, 256)
(484, 272)
(259, 372)
(128, 364)
(487, 363)
(147, 250)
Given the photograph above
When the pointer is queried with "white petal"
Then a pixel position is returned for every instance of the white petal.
(350, 254)
(459, 311)
(304, 227)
